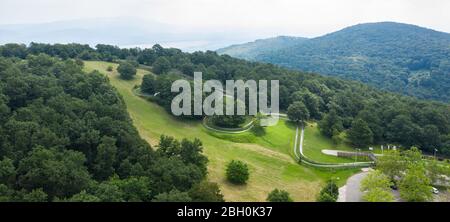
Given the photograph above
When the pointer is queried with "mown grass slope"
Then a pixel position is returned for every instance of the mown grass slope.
(269, 157)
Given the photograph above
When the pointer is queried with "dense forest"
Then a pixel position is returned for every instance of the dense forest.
(339, 105)
(65, 135)
(397, 57)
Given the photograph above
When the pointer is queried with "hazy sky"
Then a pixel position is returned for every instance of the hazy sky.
(272, 17)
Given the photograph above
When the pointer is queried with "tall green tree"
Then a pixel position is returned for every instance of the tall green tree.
(161, 65)
(7, 172)
(331, 124)
(415, 185)
(430, 138)
(391, 164)
(298, 112)
(105, 158)
(377, 187)
(148, 84)
(311, 101)
(360, 134)
(58, 173)
(403, 130)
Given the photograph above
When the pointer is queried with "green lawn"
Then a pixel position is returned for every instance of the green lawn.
(314, 142)
(269, 157)
(279, 138)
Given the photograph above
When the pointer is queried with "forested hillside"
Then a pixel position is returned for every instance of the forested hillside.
(252, 50)
(65, 135)
(338, 105)
(397, 57)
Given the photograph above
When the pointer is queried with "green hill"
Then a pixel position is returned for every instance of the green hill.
(397, 57)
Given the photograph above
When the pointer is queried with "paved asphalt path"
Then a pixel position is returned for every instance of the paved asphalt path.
(351, 191)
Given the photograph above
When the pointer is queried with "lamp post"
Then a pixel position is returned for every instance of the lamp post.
(435, 150)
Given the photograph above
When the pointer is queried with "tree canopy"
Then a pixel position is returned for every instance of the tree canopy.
(70, 138)
(360, 134)
(298, 112)
(377, 187)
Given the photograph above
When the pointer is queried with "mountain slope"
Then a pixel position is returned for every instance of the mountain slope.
(251, 50)
(397, 57)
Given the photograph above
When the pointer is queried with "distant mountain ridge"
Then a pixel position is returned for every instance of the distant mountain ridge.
(402, 58)
(251, 50)
(121, 31)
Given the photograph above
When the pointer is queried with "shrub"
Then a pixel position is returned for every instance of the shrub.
(279, 196)
(329, 193)
(126, 70)
(237, 172)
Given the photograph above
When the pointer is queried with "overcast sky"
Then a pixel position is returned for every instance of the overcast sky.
(306, 18)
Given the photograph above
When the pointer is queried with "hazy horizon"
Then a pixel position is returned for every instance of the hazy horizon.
(203, 24)
(271, 17)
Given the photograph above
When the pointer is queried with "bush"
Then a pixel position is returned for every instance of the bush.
(329, 193)
(109, 69)
(237, 172)
(228, 121)
(126, 70)
(325, 197)
(279, 196)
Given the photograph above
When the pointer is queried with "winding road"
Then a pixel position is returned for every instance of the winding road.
(351, 191)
